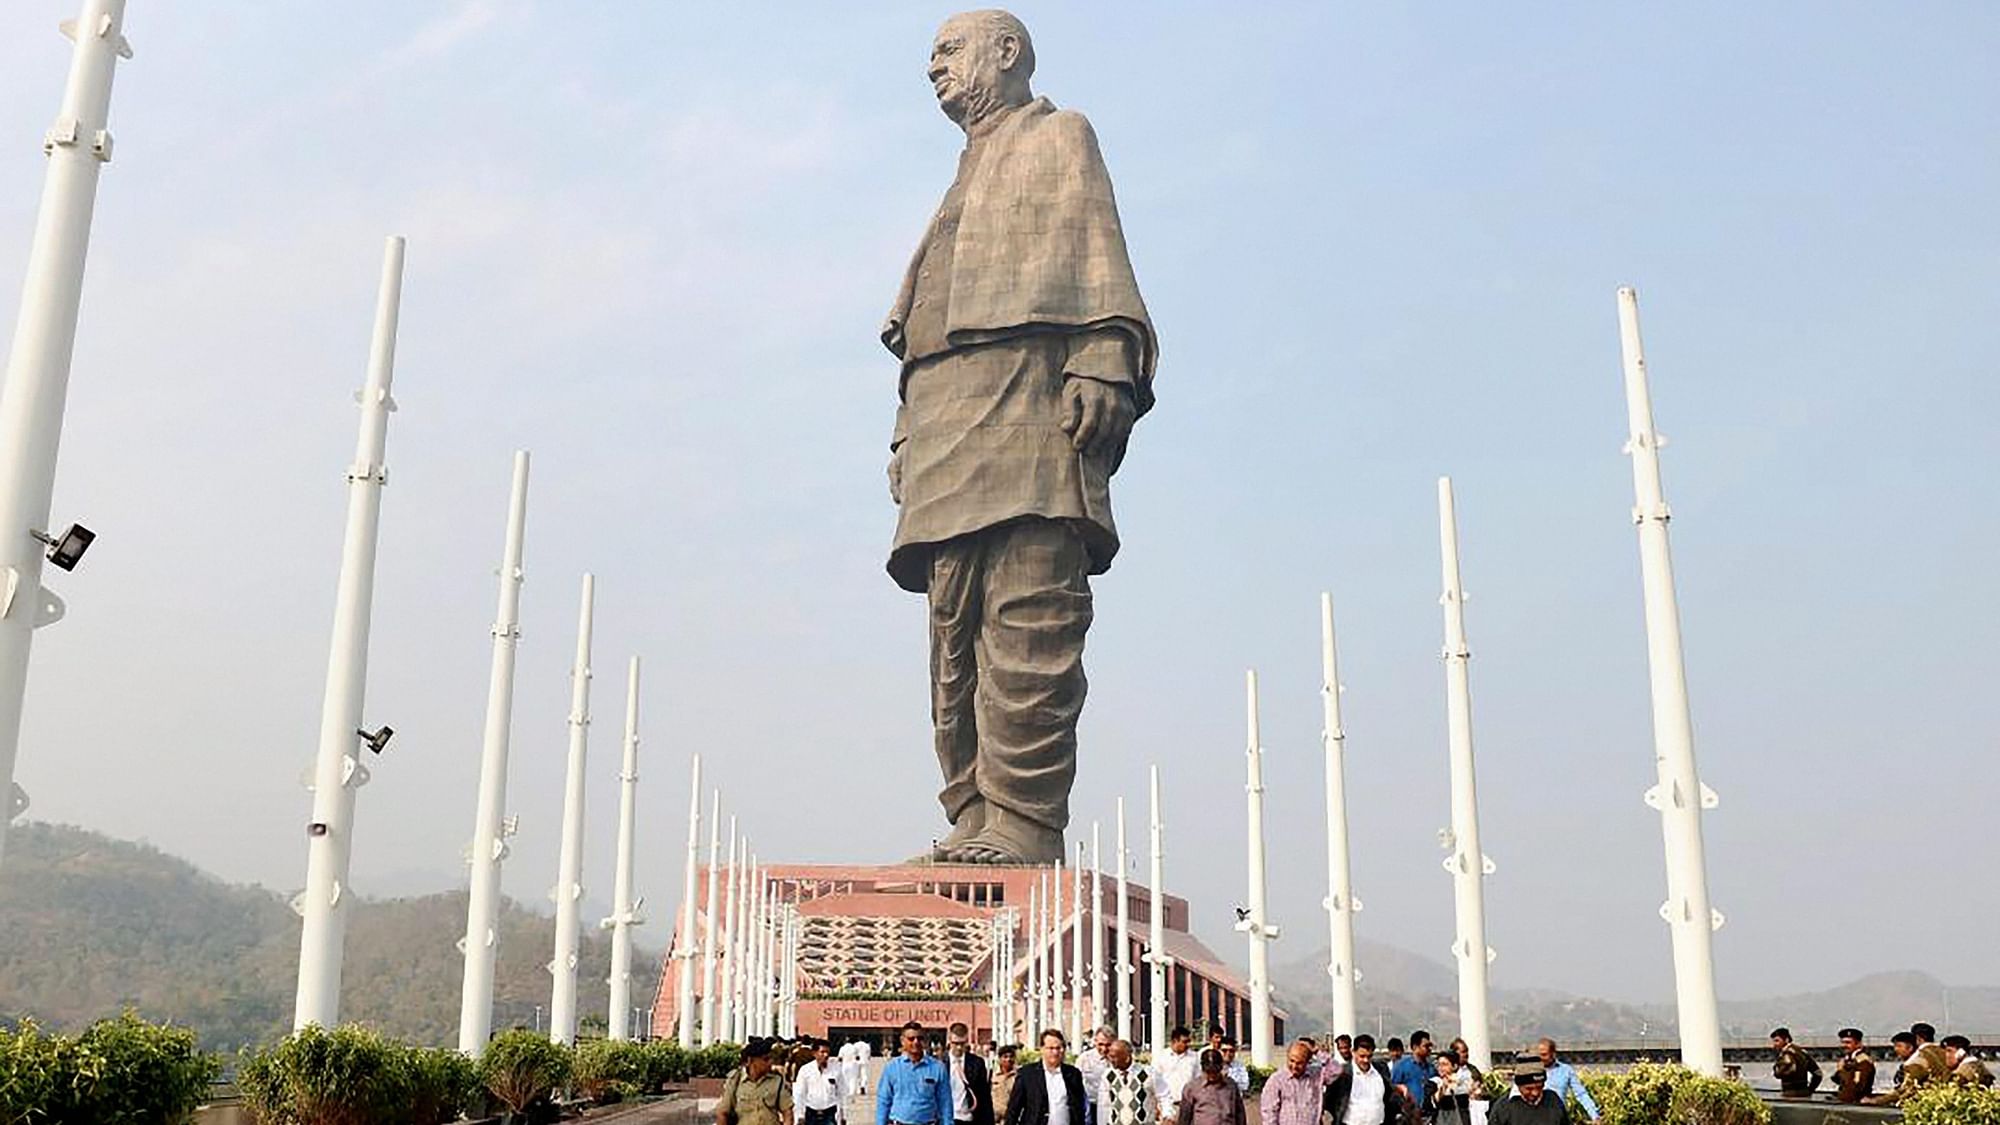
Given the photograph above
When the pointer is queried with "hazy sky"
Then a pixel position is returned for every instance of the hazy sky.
(652, 244)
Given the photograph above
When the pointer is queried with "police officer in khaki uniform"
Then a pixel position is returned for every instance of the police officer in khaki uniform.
(755, 1094)
(1797, 1073)
(1966, 1069)
(1915, 1071)
(1854, 1078)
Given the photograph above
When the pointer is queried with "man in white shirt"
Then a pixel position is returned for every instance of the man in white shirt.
(816, 1093)
(1178, 1068)
(971, 1082)
(1364, 1095)
(1095, 1060)
(1052, 1093)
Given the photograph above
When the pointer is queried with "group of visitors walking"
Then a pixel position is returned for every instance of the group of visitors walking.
(1355, 1084)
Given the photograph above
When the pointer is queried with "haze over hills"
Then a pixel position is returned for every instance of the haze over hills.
(91, 925)
(1404, 990)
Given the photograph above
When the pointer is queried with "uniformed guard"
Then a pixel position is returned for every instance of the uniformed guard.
(1854, 1078)
(755, 1093)
(1796, 1071)
(1966, 1069)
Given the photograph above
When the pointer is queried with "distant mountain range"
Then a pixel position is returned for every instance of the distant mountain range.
(90, 925)
(1403, 990)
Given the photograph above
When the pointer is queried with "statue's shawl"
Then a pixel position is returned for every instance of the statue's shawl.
(1039, 245)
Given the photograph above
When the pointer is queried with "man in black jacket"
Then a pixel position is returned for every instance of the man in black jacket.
(1363, 1094)
(1052, 1093)
(971, 1086)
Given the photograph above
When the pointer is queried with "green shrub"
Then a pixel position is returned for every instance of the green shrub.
(607, 1071)
(714, 1061)
(1258, 1076)
(27, 1073)
(1947, 1103)
(667, 1063)
(442, 1083)
(1651, 1093)
(126, 1071)
(347, 1076)
(523, 1070)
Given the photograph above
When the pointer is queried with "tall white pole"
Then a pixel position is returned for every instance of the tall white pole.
(1257, 926)
(490, 825)
(1468, 864)
(31, 418)
(773, 926)
(1033, 997)
(625, 911)
(708, 946)
(689, 947)
(1124, 958)
(569, 874)
(1679, 796)
(337, 770)
(1076, 1003)
(766, 925)
(1056, 977)
(726, 1002)
(759, 965)
(1096, 925)
(1156, 952)
(745, 926)
(1340, 901)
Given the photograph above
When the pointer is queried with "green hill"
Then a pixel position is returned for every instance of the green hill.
(90, 925)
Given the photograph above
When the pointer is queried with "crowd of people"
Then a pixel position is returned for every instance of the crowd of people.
(1921, 1060)
(1346, 1081)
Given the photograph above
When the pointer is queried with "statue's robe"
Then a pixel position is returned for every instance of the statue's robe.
(1021, 282)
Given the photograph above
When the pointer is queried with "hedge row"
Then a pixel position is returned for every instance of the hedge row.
(1652, 1093)
(355, 1076)
(121, 1071)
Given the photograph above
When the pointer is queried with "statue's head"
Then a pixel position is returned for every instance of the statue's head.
(981, 61)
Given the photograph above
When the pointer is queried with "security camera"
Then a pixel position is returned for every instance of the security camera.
(377, 740)
(66, 550)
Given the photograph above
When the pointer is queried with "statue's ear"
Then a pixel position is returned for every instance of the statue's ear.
(1010, 51)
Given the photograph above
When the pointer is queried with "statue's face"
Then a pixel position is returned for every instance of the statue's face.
(966, 64)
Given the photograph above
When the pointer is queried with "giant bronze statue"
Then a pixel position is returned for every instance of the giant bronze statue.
(1026, 357)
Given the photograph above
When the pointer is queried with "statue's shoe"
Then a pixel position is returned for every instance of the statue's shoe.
(971, 821)
(1010, 838)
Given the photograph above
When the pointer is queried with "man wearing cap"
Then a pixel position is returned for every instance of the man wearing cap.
(1854, 1078)
(1532, 1103)
(1563, 1081)
(1797, 1073)
(915, 1089)
(755, 1094)
(1966, 1069)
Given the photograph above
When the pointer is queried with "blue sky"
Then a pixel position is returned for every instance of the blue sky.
(652, 244)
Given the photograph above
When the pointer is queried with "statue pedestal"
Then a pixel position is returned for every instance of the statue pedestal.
(883, 945)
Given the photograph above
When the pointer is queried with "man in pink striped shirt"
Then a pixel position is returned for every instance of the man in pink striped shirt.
(1292, 1096)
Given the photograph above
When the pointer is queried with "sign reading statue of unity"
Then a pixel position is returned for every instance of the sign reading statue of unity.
(1027, 356)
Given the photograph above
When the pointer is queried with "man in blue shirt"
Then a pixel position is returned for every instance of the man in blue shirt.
(1563, 1079)
(915, 1089)
(1414, 1071)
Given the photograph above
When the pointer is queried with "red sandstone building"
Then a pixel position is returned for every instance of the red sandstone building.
(880, 946)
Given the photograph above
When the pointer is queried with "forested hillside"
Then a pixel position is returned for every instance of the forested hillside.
(89, 925)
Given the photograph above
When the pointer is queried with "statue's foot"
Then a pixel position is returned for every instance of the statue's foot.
(1010, 838)
(971, 822)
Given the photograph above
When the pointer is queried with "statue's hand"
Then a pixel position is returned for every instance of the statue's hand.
(896, 476)
(1097, 416)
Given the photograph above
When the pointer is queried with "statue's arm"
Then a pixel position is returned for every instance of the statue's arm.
(1099, 405)
(896, 440)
